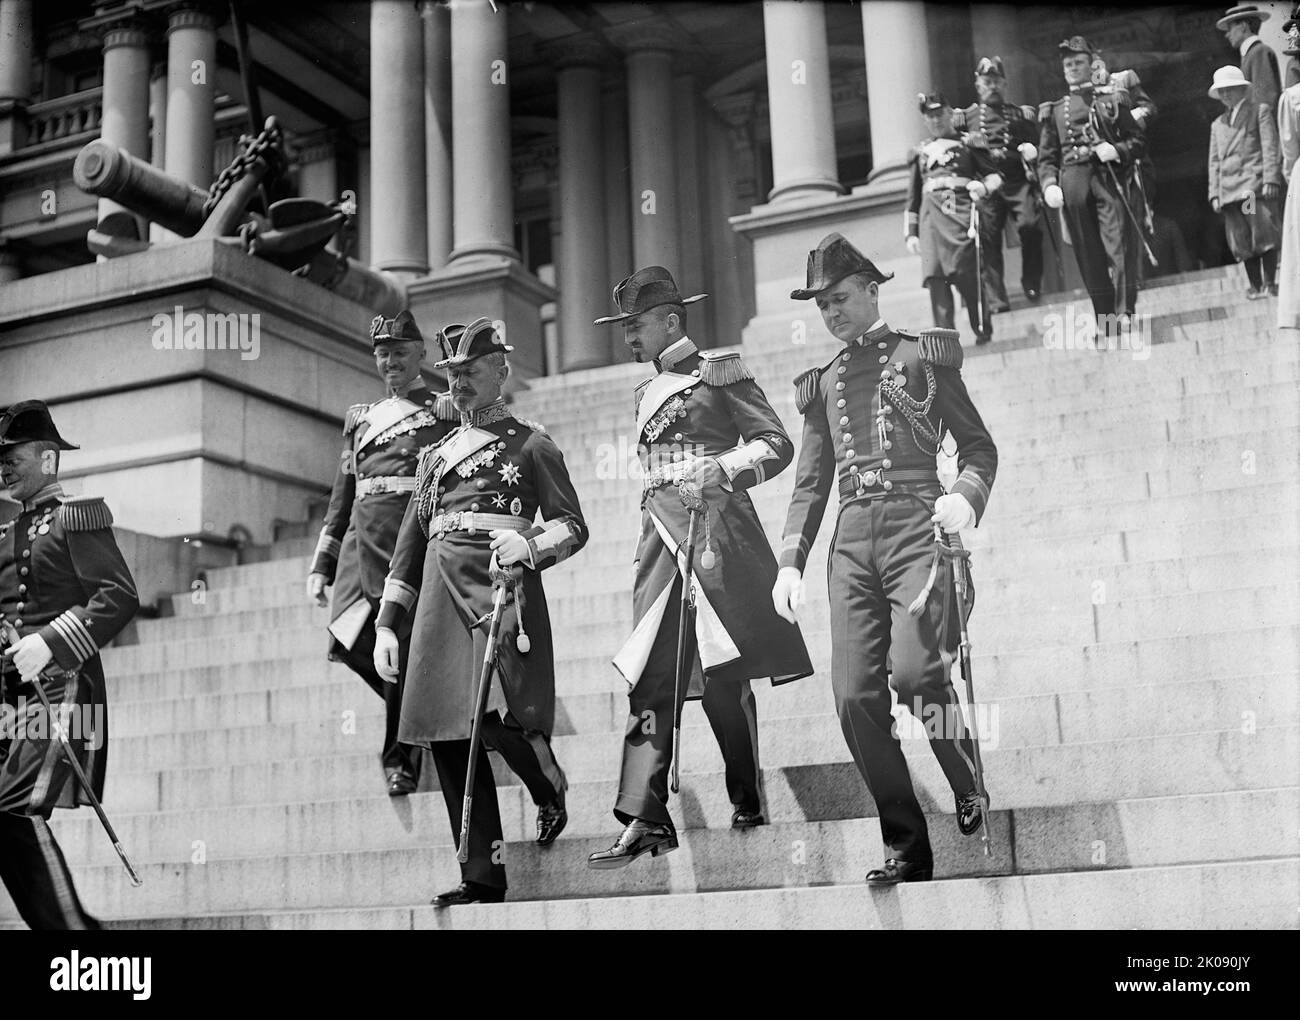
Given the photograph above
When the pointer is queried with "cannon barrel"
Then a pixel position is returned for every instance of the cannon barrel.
(372, 288)
(105, 170)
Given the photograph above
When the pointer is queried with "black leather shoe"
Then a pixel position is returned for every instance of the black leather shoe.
(970, 813)
(895, 872)
(983, 338)
(400, 784)
(469, 892)
(551, 820)
(742, 819)
(637, 839)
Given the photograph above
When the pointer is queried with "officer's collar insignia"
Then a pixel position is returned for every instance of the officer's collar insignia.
(50, 493)
(488, 415)
(675, 353)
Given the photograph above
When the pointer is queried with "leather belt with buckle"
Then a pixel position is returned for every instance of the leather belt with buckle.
(465, 520)
(377, 484)
(878, 482)
(945, 183)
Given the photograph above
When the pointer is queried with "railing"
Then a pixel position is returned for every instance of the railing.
(65, 117)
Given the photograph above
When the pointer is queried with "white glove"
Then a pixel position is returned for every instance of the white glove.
(953, 512)
(1054, 196)
(30, 655)
(510, 547)
(316, 588)
(914, 245)
(1106, 152)
(992, 182)
(386, 654)
(1028, 151)
(1140, 115)
(787, 594)
(976, 189)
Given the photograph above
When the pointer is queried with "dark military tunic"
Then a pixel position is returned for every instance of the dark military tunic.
(994, 132)
(938, 207)
(873, 419)
(62, 577)
(1105, 240)
(506, 467)
(703, 405)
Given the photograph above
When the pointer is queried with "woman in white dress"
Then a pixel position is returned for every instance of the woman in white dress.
(1288, 129)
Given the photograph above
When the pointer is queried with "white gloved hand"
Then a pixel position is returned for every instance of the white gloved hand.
(993, 182)
(976, 189)
(1054, 196)
(1106, 152)
(788, 594)
(953, 512)
(30, 655)
(316, 583)
(914, 245)
(386, 657)
(1028, 151)
(1140, 115)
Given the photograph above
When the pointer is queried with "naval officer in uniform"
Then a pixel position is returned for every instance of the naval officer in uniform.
(479, 494)
(66, 590)
(373, 484)
(873, 421)
(702, 419)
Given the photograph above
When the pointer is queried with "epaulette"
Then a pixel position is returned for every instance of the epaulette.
(638, 393)
(723, 368)
(1045, 109)
(959, 118)
(937, 346)
(536, 426)
(85, 513)
(444, 408)
(806, 387)
(353, 417)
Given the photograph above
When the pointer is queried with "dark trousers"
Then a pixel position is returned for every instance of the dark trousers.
(361, 660)
(37, 877)
(943, 310)
(1106, 243)
(1019, 202)
(648, 744)
(879, 561)
(529, 755)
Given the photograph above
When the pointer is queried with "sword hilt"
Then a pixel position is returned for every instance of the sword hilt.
(692, 497)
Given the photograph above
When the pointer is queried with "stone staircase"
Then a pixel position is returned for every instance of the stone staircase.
(1136, 653)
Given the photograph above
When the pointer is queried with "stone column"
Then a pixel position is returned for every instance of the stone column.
(16, 42)
(158, 131)
(191, 82)
(617, 190)
(126, 94)
(396, 200)
(437, 130)
(898, 67)
(480, 91)
(692, 176)
(652, 134)
(799, 100)
(580, 255)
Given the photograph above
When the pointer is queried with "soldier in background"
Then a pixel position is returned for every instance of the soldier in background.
(944, 181)
(66, 590)
(373, 484)
(1001, 136)
(477, 495)
(874, 418)
(1091, 176)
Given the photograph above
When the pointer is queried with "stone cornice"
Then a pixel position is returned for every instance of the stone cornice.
(641, 37)
(581, 50)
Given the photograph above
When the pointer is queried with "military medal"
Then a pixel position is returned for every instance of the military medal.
(516, 506)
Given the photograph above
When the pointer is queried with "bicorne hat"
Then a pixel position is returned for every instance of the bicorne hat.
(401, 327)
(1075, 44)
(832, 260)
(991, 66)
(645, 289)
(469, 343)
(29, 421)
(928, 102)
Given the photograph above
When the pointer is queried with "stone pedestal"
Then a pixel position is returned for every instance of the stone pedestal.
(188, 442)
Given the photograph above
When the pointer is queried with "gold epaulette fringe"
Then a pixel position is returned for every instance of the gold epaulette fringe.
(86, 513)
(723, 368)
(444, 409)
(805, 388)
(353, 417)
(940, 347)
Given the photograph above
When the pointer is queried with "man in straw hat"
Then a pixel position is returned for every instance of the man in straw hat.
(478, 494)
(1240, 27)
(66, 590)
(874, 418)
(1245, 179)
(376, 474)
(701, 420)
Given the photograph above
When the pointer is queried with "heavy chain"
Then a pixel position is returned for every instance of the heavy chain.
(915, 411)
(265, 146)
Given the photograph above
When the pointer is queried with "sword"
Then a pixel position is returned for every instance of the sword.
(973, 231)
(1094, 128)
(9, 636)
(694, 503)
(503, 580)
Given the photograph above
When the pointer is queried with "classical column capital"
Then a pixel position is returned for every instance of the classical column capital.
(127, 26)
(640, 37)
(192, 14)
(581, 50)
